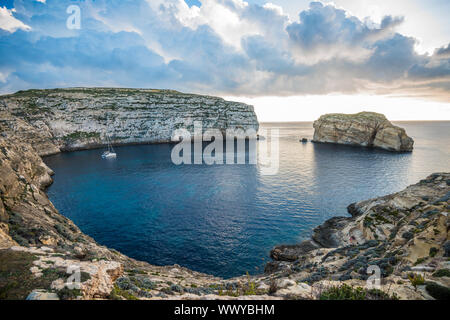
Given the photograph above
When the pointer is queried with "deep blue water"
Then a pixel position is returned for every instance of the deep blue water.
(224, 219)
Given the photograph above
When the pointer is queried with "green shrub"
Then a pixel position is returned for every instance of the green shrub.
(68, 294)
(250, 288)
(433, 251)
(442, 273)
(346, 292)
(133, 272)
(84, 276)
(54, 273)
(119, 294)
(419, 261)
(416, 279)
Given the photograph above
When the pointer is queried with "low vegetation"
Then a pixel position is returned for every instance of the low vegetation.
(442, 273)
(81, 135)
(346, 292)
(416, 280)
(120, 294)
(16, 279)
(69, 294)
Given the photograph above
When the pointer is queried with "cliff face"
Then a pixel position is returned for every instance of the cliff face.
(79, 118)
(365, 129)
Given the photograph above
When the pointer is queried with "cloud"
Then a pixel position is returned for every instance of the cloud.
(9, 23)
(443, 52)
(325, 32)
(227, 47)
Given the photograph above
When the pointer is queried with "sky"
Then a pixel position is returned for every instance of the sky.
(292, 59)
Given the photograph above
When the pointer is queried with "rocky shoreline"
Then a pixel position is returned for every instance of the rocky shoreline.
(397, 232)
(404, 233)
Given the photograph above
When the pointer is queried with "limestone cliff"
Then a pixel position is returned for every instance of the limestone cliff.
(365, 129)
(78, 118)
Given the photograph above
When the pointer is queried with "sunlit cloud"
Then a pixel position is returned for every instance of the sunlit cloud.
(9, 23)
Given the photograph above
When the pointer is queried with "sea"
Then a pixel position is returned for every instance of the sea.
(224, 219)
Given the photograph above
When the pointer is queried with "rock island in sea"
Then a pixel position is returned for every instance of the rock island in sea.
(366, 129)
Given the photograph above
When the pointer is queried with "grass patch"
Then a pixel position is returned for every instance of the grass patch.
(81, 135)
(346, 292)
(84, 276)
(360, 115)
(16, 279)
(69, 294)
(419, 261)
(250, 287)
(442, 273)
(433, 252)
(135, 271)
(119, 294)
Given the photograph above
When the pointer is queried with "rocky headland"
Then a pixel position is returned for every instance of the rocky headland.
(56, 120)
(366, 129)
(405, 233)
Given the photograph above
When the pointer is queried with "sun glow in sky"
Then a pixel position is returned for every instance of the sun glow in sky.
(310, 108)
(292, 59)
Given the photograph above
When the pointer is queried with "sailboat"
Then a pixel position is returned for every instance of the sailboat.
(110, 153)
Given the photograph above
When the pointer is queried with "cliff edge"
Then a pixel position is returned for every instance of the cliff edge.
(366, 129)
(55, 120)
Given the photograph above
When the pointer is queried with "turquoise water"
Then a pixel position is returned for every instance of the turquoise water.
(224, 219)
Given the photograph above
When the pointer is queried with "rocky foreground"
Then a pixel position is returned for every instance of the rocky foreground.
(366, 129)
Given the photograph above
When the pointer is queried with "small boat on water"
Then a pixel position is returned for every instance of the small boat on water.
(110, 153)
